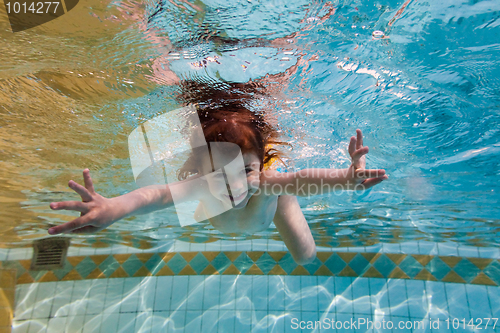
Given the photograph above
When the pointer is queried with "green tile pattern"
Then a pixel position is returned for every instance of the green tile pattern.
(374, 265)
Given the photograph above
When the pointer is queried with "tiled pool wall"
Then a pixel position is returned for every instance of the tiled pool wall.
(254, 286)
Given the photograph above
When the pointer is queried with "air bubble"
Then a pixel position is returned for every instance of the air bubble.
(377, 34)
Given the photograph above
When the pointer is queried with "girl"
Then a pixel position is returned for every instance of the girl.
(257, 196)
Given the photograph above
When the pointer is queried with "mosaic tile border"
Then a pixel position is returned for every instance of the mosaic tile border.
(469, 270)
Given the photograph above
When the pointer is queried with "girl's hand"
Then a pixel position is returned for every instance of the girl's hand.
(357, 173)
(96, 211)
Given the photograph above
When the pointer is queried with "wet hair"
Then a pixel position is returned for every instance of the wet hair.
(225, 116)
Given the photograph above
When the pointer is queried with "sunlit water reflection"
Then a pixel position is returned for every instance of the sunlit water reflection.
(425, 95)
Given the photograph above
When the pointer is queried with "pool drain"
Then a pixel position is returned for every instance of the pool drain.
(49, 253)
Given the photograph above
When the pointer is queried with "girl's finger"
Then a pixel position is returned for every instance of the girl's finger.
(89, 229)
(370, 173)
(88, 181)
(352, 145)
(374, 181)
(70, 205)
(358, 154)
(82, 191)
(359, 139)
(69, 226)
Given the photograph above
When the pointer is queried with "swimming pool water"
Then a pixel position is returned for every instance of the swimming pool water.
(425, 95)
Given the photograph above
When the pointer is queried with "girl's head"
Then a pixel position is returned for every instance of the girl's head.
(225, 118)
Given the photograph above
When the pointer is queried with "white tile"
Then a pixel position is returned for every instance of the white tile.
(198, 247)
(180, 246)
(25, 300)
(494, 297)
(44, 299)
(323, 249)
(273, 245)
(163, 293)
(292, 293)
(226, 321)
(397, 297)
(126, 323)
(243, 321)
(242, 292)
(276, 300)
(258, 292)
(57, 324)
(130, 294)
(260, 322)
(110, 322)
(84, 251)
(447, 249)
(227, 294)
(245, 245)
(489, 252)
(176, 321)
(379, 298)
(213, 246)
(391, 248)
(457, 300)
(92, 323)
(147, 293)
(343, 295)
(21, 326)
(143, 322)
(3, 254)
(80, 297)
(196, 288)
(276, 321)
(114, 295)
(478, 302)
(211, 293)
(373, 248)
(38, 326)
(326, 294)
(417, 299)
(356, 249)
(468, 251)
(437, 302)
(179, 292)
(411, 247)
(166, 246)
(430, 248)
(95, 303)
(259, 244)
(119, 249)
(228, 246)
(62, 298)
(361, 296)
(103, 250)
(209, 321)
(309, 293)
(161, 321)
(74, 324)
(193, 321)
(20, 254)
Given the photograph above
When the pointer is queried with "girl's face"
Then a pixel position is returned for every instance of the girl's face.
(234, 180)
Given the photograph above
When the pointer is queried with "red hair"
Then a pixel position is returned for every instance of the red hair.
(224, 117)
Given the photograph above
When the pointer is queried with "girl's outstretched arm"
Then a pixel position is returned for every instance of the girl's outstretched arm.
(310, 182)
(98, 212)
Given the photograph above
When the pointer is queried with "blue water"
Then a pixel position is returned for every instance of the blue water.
(425, 96)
